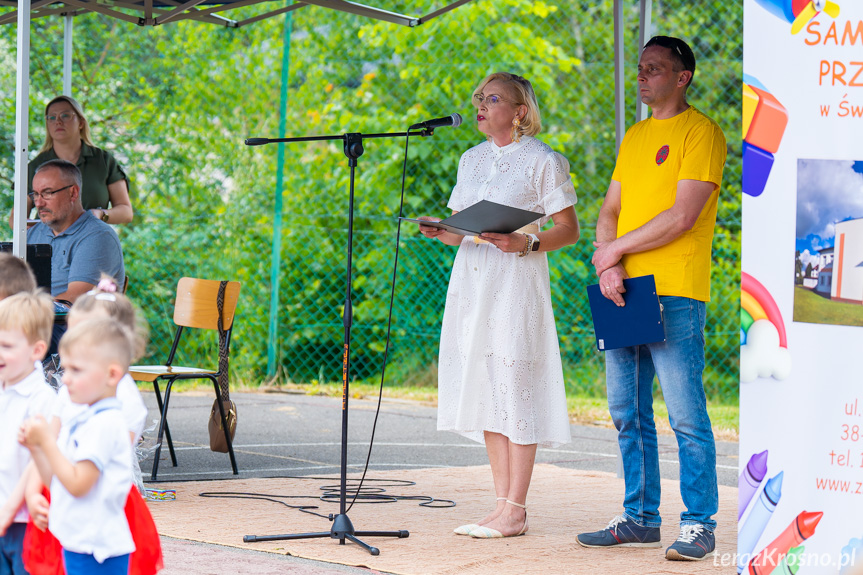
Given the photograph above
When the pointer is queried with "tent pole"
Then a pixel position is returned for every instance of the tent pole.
(275, 262)
(22, 115)
(645, 10)
(619, 95)
(67, 55)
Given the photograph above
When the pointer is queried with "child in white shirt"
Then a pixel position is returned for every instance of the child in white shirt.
(25, 330)
(104, 301)
(89, 467)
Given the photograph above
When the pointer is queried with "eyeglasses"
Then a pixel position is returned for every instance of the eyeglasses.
(490, 100)
(48, 194)
(64, 117)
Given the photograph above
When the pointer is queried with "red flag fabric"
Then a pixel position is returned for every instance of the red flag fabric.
(43, 554)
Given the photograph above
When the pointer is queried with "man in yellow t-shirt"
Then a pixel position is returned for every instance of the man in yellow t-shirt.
(658, 218)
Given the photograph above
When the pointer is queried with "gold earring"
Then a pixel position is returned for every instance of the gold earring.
(516, 135)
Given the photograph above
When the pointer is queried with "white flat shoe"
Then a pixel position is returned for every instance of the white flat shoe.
(482, 532)
(465, 529)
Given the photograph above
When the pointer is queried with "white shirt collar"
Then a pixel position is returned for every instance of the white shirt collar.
(27, 386)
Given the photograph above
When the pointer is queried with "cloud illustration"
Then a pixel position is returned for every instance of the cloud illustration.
(762, 356)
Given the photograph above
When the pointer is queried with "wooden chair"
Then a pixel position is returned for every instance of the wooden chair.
(196, 306)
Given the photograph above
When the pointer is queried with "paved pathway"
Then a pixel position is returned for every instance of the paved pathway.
(283, 434)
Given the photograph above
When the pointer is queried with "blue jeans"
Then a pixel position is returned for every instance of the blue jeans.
(678, 362)
(11, 547)
(84, 564)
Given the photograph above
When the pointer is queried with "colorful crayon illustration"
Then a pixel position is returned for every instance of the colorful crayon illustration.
(790, 564)
(764, 122)
(851, 559)
(764, 345)
(750, 478)
(799, 12)
(801, 529)
(756, 521)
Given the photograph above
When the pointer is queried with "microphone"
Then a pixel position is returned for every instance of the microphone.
(454, 121)
(256, 141)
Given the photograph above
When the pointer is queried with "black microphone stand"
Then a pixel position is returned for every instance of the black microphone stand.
(342, 527)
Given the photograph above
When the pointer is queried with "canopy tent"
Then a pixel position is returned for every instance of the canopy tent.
(141, 13)
(158, 12)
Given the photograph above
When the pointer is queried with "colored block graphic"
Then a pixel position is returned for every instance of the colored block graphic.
(764, 122)
(757, 164)
(768, 122)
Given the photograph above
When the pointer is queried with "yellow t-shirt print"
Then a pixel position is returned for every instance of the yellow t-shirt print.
(654, 156)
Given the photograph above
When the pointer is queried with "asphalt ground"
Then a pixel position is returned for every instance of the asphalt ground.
(289, 434)
(282, 434)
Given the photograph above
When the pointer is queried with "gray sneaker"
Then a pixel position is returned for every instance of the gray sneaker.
(695, 543)
(621, 532)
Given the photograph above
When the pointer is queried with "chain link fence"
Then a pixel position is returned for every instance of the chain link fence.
(350, 74)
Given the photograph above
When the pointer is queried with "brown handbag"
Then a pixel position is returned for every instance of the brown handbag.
(214, 426)
(217, 435)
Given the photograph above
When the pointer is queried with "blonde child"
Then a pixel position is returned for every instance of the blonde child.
(25, 330)
(106, 303)
(89, 466)
(15, 276)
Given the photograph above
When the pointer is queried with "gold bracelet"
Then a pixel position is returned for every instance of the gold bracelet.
(528, 244)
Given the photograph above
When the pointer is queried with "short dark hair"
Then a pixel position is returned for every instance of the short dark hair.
(681, 53)
(68, 171)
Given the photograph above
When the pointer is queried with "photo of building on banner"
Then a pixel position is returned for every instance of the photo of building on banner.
(800, 507)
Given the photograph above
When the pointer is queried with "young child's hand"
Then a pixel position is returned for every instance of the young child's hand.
(37, 506)
(34, 432)
(6, 517)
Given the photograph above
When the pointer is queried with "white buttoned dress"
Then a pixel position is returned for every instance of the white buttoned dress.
(499, 368)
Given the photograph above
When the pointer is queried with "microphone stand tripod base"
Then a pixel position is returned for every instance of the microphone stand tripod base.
(342, 529)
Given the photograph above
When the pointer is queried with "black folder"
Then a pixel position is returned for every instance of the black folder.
(484, 216)
(638, 322)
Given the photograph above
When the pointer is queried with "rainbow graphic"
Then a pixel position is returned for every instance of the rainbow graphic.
(757, 303)
(763, 340)
(799, 12)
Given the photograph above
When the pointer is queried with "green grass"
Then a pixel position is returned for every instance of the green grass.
(810, 307)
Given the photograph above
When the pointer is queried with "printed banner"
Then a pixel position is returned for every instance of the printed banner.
(801, 359)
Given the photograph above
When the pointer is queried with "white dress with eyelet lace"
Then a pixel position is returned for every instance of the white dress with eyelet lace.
(499, 368)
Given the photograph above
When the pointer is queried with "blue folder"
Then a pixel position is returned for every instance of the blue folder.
(638, 322)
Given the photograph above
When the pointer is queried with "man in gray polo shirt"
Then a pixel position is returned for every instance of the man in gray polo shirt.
(83, 247)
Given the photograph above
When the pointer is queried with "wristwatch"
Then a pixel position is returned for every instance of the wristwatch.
(535, 242)
(104, 216)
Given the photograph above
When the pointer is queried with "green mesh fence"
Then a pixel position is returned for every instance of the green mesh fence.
(204, 202)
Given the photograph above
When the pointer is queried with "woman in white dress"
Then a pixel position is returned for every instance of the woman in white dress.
(500, 378)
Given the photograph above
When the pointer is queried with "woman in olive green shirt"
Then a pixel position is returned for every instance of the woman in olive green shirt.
(105, 190)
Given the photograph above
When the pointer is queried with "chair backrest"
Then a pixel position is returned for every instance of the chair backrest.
(196, 303)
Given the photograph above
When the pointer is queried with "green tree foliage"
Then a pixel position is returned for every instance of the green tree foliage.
(174, 104)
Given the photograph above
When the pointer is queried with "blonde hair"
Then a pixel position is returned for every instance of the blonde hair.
(85, 126)
(521, 93)
(30, 312)
(113, 341)
(106, 299)
(15, 276)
